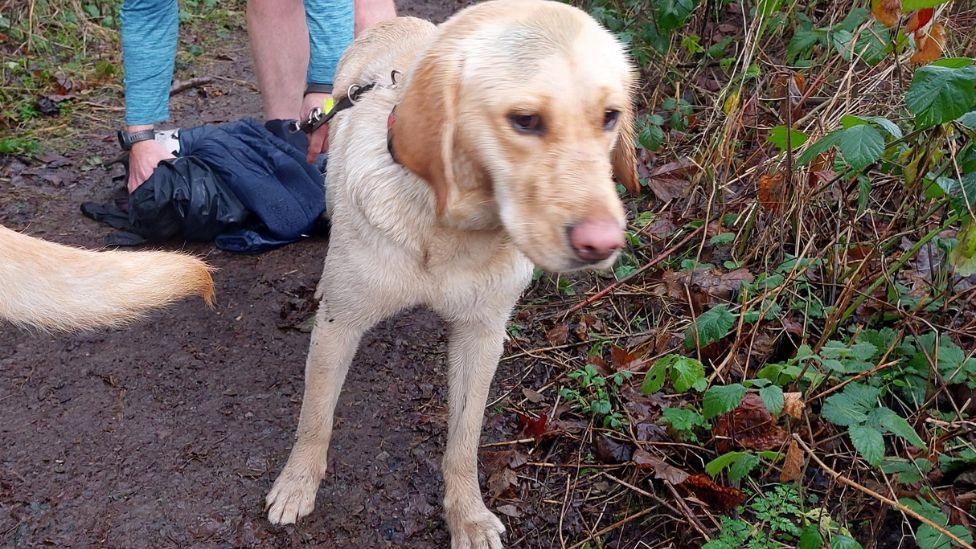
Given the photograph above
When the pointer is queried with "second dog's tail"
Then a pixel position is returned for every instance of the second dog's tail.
(50, 286)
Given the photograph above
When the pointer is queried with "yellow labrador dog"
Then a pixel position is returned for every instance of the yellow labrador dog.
(495, 151)
(55, 287)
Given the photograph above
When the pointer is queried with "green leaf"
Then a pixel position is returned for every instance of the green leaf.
(710, 326)
(820, 146)
(968, 120)
(722, 399)
(940, 93)
(842, 409)
(868, 442)
(772, 397)
(777, 136)
(682, 419)
(655, 376)
(802, 43)
(673, 13)
(928, 537)
(963, 254)
(718, 464)
(861, 145)
(810, 538)
(685, 373)
(912, 5)
(742, 467)
(898, 426)
(839, 541)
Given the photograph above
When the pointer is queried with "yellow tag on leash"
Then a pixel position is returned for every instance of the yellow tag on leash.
(328, 104)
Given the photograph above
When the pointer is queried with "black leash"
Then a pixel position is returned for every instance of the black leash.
(317, 118)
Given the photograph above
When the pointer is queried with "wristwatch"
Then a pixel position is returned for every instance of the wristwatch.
(127, 140)
(316, 87)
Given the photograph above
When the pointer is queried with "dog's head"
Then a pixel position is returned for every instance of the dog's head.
(521, 113)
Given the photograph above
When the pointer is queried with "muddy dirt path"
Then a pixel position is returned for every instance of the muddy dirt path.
(170, 433)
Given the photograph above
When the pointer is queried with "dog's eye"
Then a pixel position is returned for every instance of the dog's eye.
(610, 118)
(526, 123)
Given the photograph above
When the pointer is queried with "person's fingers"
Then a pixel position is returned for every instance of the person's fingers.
(318, 142)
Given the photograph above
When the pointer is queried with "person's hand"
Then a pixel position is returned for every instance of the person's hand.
(143, 159)
(318, 141)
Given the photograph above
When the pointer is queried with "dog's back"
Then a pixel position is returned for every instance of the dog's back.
(50, 286)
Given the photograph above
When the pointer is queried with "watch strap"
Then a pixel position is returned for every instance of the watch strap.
(315, 87)
(127, 140)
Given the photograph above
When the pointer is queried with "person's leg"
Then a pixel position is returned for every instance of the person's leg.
(370, 12)
(279, 45)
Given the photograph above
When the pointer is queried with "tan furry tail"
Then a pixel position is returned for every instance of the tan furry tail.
(57, 287)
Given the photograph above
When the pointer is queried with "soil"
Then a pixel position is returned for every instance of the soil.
(170, 432)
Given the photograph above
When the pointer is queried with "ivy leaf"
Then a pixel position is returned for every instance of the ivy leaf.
(711, 326)
(868, 442)
(722, 399)
(941, 92)
(898, 426)
(772, 397)
(685, 373)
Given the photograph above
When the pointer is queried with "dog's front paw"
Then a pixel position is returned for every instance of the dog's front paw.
(476, 529)
(292, 496)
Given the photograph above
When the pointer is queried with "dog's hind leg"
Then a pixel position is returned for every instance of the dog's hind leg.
(475, 348)
(339, 325)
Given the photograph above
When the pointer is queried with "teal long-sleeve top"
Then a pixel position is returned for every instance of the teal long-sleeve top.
(149, 37)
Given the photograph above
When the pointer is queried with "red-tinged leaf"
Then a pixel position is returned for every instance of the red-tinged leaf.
(535, 428)
(919, 19)
(623, 360)
(662, 469)
(749, 425)
(722, 498)
(558, 335)
(930, 46)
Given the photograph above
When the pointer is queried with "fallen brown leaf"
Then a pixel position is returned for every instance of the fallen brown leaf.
(723, 498)
(792, 463)
(749, 425)
(610, 451)
(558, 335)
(886, 11)
(771, 191)
(793, 404)
(671, 180)
(930, 46)
(662, 469)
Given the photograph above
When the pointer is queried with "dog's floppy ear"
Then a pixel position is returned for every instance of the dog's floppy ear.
(624, 157)
(424, 125)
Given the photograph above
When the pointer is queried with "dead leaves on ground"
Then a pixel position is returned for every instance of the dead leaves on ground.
(750, 426)
(722, 498)
(771, 191)
(929, 45)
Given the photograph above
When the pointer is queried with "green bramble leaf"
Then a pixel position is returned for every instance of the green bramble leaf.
(710, 326)
(722, 399)
(868, 442)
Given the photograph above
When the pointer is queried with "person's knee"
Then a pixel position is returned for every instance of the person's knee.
(270, 8)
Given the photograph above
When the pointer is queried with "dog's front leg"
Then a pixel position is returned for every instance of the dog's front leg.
(475, 348)
(335, 339)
